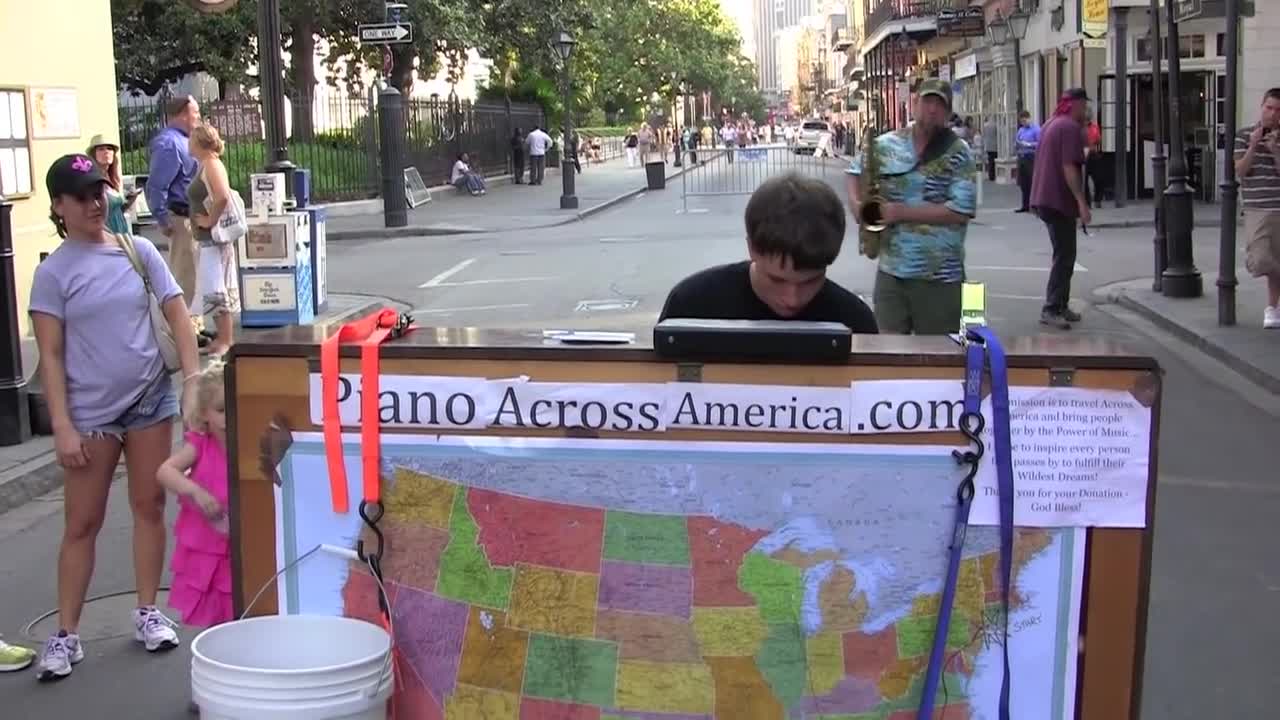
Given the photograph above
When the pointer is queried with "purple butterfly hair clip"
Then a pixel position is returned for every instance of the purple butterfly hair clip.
(82, 164)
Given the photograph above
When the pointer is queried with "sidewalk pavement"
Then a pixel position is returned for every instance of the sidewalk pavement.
(1246, 348)
(30, 470)
(507, 206)
(1135, 213)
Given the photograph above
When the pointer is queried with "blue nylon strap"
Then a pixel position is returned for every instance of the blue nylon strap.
(983, 344)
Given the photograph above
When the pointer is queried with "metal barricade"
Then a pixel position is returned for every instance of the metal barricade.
(740, 170)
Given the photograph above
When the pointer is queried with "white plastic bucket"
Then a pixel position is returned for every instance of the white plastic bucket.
(292, 667)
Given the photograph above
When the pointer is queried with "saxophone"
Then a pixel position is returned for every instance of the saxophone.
(870, 216)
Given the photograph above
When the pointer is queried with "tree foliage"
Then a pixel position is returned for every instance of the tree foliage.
(159, 42)
(630, 57)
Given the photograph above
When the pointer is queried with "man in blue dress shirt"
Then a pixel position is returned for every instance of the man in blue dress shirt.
(1026, 143)
(172, 169)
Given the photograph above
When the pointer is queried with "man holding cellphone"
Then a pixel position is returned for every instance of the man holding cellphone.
(1256, 151)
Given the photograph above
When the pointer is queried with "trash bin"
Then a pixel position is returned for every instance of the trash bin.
(656, 174)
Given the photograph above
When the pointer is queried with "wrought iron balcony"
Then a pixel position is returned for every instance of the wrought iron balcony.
(841, 39)
(886, 11)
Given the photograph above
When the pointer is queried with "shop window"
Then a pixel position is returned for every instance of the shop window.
(1143, 50)
(1189, 47)
(15, 144)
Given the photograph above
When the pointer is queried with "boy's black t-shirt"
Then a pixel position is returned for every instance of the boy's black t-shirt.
(724, 292)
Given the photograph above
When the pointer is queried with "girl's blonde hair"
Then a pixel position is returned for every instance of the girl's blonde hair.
(206, 137)
(209, 387)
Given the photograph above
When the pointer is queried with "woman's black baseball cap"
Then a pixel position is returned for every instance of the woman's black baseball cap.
(72, 175)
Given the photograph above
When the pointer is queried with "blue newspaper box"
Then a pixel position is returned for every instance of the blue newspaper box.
(319, 265)
(301, 188)
(276, 279)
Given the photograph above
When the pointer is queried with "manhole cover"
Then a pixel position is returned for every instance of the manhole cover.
(105, 619)
(606, 305)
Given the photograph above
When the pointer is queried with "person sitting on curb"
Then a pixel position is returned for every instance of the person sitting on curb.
(464, 178)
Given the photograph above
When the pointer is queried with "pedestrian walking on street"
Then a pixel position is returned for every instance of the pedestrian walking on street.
(517, 156)
(1026, 142)
(1058, 197)
(217, 285)
(197, 475)
(1093, 161)
(646, 140)
(991, 143)
(632, 143)
(108, 390)
(539, 142)
(1256, 151)
(927, 180)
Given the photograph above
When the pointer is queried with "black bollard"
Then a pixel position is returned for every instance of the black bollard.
(1181, 278)
(15, 410)
(395, 208)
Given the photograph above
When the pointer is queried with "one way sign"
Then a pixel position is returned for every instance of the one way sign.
(386, 33)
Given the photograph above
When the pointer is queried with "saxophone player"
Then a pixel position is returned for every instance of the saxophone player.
(925, 198)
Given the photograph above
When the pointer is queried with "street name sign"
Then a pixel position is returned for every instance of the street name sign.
(386, 33)
(1187, 9)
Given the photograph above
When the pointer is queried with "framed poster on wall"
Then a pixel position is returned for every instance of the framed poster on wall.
(55, 113)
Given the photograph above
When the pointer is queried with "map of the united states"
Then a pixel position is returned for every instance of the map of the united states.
(509, 607)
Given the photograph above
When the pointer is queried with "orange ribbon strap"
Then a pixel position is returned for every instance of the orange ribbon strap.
(370, 331)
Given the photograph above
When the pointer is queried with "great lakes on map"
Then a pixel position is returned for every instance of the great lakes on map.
(657, 580)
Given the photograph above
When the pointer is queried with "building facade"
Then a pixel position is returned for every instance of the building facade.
(53, 102)
(1126, 87)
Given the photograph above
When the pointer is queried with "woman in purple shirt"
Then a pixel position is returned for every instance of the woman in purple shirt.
(107, 390)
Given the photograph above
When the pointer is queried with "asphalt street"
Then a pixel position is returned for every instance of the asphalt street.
(1213, 643)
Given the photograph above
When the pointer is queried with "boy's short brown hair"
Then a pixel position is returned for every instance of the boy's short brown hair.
(798, 218)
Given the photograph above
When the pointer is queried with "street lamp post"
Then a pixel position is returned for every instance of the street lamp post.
(1019, 19)
(564, 43)
(271, 77)
(1158, 158)
(1230, 193)
(1181, 279)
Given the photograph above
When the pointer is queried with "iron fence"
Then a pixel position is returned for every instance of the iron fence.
(438, 130)
(740, 170)
(335, 136)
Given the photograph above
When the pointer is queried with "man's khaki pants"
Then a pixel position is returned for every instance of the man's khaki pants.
(182, 256)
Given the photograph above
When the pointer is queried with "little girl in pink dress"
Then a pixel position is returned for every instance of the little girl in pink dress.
(197, 474)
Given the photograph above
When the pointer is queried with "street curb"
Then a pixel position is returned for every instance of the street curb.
(1115, 293)
(389, 233)
(29, 480)
(1132, 224)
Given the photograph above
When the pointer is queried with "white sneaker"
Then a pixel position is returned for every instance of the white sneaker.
(1271, 318)
(61, 651)
(153, 629)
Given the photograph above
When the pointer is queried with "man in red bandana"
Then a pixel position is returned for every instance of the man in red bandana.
(1058, 197)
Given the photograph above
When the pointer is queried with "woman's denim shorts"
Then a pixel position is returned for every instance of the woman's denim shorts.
(158, 403)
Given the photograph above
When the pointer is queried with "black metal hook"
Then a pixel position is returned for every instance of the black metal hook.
(371, 513)
(971, 426)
